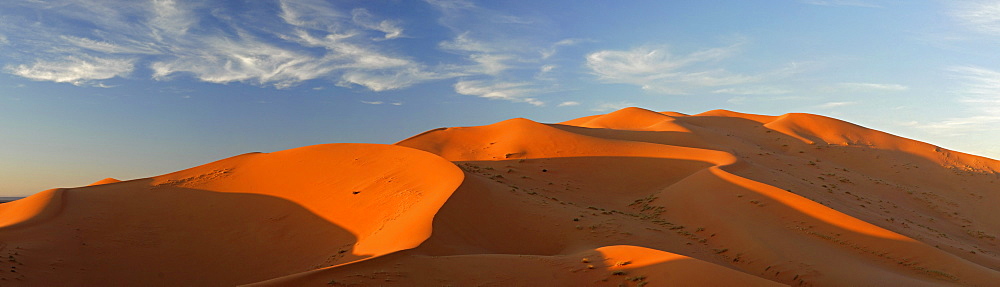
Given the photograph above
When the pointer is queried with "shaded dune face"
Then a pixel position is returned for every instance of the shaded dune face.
(633, 197)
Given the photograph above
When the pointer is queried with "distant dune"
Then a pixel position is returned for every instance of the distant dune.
(629, 198)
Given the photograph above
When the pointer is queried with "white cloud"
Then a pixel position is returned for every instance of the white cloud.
(544, 73)
(831, 105)
(295, 41)
(493, 42)
(463, 42)
(75, 70)
(875, 87)
(363, 18)
(551, 50)
(655, 69)
(108, 47)
(451, 4)
(172, 18)
(978, 15)
(314, 14)
(981, 91)
(981, 94)
(490, 64)
(457, 12)
(381, 103)
(568, 104)
(752, 91)
(388, 80)
(241, 60)
(855, 3)
(488, 57)
(303, 40)
(514, 92)
(758, 99)
(612, 106)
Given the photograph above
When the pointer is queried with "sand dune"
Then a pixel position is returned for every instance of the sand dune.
(240, 220)
(633, 197)
(104, 181)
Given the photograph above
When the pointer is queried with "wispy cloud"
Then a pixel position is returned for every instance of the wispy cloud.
(981, 93)
(381, 102)
(568, 104)
(363, 18)
(552, 49)
(759, 90)
(981, 84)
(854, 3)
(757, 99)
(830, 105)
(108, 47)
(464, 42)
(78, 71)
(496, 46)
(544, 72)
(388, 80)
(311, 14)
(171, 18)
(490, 64)
(279, 44)
(875, 87)
(241, 60)
(979, 15)
(514, 92)
(301, 40)
(612, 106)
(656, 69)
(486, 38)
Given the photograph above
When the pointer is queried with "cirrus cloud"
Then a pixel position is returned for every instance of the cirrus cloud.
(978, 15)
(980, 91)
(657, 70)
(514, 92)
(301, 40)
(78, 71)
(280, 44)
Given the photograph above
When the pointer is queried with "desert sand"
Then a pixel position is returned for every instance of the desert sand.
(630, 198)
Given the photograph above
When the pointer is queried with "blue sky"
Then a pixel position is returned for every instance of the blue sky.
(127, 89)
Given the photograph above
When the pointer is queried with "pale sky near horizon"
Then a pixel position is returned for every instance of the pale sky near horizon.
(91, 89)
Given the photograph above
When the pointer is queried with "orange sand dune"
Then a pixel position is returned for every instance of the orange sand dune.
(240, 220)
(104, 181)
(633, 198)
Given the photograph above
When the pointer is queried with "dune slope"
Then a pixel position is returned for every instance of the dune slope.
(633, 198)
(239, 220)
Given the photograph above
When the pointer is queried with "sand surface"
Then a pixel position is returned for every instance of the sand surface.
(629, 198)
